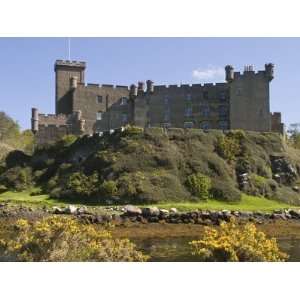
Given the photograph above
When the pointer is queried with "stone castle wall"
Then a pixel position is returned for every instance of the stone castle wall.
(240, 103)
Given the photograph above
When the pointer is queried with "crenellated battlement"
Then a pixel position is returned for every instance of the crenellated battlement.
(70, 63)
(100, 86)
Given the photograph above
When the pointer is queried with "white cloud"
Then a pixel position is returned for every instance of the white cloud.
(209, 73)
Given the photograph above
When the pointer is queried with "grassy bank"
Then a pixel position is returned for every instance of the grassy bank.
(248, 203)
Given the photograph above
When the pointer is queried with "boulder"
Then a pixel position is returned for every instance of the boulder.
(57, 210)
(81, 210)
(132, 210)
(173, 210)
(71, 209)
(150, 211)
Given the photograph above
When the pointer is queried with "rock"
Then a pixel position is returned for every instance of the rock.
(132, 210)
(296, 188)
(81, 210)
(294, 213)
(153, 219)
(57, 210)
(173, 210)
(164, 211)
(150, 211)
(71, 209)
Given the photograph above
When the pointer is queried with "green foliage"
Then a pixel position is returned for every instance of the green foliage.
(199, 185)
(229, 146)
(233, 243)
(81, 185)
(17, 178)
(64, 239)
(108, 188)
(133, 130)
(294, 135)
(225, 191)
(9, 129)
(67, 140)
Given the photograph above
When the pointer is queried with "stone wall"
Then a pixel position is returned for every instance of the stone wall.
(249, 101)
(198, 106)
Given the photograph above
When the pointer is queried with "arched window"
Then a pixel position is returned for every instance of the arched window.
(205, 111)
(223, 111)
(205, 125)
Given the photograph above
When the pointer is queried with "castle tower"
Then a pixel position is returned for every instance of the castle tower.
(67, 75)
(250, 98)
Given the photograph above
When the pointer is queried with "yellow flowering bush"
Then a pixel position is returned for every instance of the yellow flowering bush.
(231, 242)
(60, 238)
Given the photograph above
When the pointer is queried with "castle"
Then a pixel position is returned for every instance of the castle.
(242, 102)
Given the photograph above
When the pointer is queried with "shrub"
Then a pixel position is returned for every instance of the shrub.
(233, 243)
(17, 178)
(199, 185)
(133, 130)
(64, 239)
(109, 188)
(17, 158)
(224, 190)
(80, 185)
(229, 146)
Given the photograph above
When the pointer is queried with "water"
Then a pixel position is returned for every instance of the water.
(177, 249)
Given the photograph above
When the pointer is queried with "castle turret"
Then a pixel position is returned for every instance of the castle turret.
(34, 120)
(269, 71)
(229, 71)
(141, 87)
(133, 91)
(150, 86)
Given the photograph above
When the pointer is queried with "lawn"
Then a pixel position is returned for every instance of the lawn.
(248, 203)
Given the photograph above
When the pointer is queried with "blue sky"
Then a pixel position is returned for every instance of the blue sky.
(27, 66)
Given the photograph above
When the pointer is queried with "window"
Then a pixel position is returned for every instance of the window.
(188, 97)
(223, 125)
(205, 111)
(188, 124)
(205, 94)
(222, 96)
(205, 125)
(124, 101)
(167, 115)
(124, 118)
(99, 99)
(188, 111)
(99, 115)
(223, 111)
(166, 100)
(166, 125)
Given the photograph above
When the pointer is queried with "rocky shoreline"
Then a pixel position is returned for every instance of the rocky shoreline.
(129, 213)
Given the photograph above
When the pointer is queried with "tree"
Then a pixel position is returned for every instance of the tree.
(294, 135)
(9, 129)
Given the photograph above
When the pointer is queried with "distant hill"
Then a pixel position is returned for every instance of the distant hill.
(157, 165)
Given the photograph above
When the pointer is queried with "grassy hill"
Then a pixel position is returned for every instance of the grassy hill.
(160, 166)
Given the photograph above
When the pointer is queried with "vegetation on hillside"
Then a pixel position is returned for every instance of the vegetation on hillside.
(234, 243)
(11, 137)
(156, 165)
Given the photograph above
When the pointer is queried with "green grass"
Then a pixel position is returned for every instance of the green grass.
(248, 203)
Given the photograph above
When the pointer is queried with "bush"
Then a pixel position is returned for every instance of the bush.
(108, 188)
(64, 239)
(224, 190)
(80, 185)
(229, 146)
(233, 243)
(17, 178)
(199, 185)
